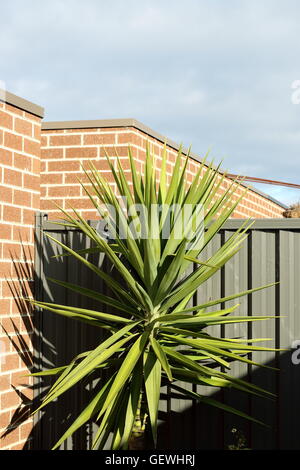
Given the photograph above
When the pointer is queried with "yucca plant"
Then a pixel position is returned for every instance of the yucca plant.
(154, 335)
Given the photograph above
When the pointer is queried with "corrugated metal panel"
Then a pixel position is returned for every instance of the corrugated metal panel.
(271, 253)
(235, 279)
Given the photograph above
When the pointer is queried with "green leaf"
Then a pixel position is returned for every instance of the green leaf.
(108, 421)
(81, 312)
(94, 295)
(152, 373)
(211, 303)
(88, 412)
(114, 285)
(94, 359)
(218, 347)
(160, 354)
(133, 403)
(126, 368)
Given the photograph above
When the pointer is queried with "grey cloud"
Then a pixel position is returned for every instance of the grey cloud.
(211, 74)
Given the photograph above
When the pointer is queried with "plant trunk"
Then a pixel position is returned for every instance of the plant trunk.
(137, 439)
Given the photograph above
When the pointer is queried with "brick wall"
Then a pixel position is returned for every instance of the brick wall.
(20, 129)
(65, 149)
(31, 166)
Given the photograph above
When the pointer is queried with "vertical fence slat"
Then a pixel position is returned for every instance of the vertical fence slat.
(209, 420)
(236, 280)
(263, 302)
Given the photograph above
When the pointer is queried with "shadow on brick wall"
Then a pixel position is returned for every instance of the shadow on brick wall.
(19, 333)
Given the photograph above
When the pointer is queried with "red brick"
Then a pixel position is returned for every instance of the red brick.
(6, 120)
(19, 344)
(52, 153)
(90, 215)
(23, 162)
(20, 308)
(81, 152)
(10, 438)
(64, 191)
(12, 141)
(11, 249)
(44, 141)
(37, 132)
(28, 253)
(11, 362)
(72, 178)
(117, 150)
(32, 147)
(27, 362)
(99, 139)
(22, 198)
(5, 157)
(28, 216)
(32, 182)
(52, 179)
(50, 204)
(23, 127)
(11, 214)
(5, 348)
(36, 166)
(32, 117)
(6, 194)
(13, 110)
(4, 415)
(81, 203)
(63, 140)
(35, 201)
(52, 215)
(108, 176)
(4, 308)
(20, 378)
(5, 231)
(25, 430)
(23, 234)
(130, 138)
(5, 269)
(101, 164)
(141, 155)
(12, 177)
(64, 166)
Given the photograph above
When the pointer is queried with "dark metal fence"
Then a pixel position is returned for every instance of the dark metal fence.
(270, 253)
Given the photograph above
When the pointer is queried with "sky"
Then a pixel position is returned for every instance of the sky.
(217, 75)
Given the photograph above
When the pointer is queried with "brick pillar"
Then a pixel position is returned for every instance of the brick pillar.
(20, 136)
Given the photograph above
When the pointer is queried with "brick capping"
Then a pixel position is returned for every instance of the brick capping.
(134, 123)
(21, 103)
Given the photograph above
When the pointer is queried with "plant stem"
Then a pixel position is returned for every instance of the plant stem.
(138, 435)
